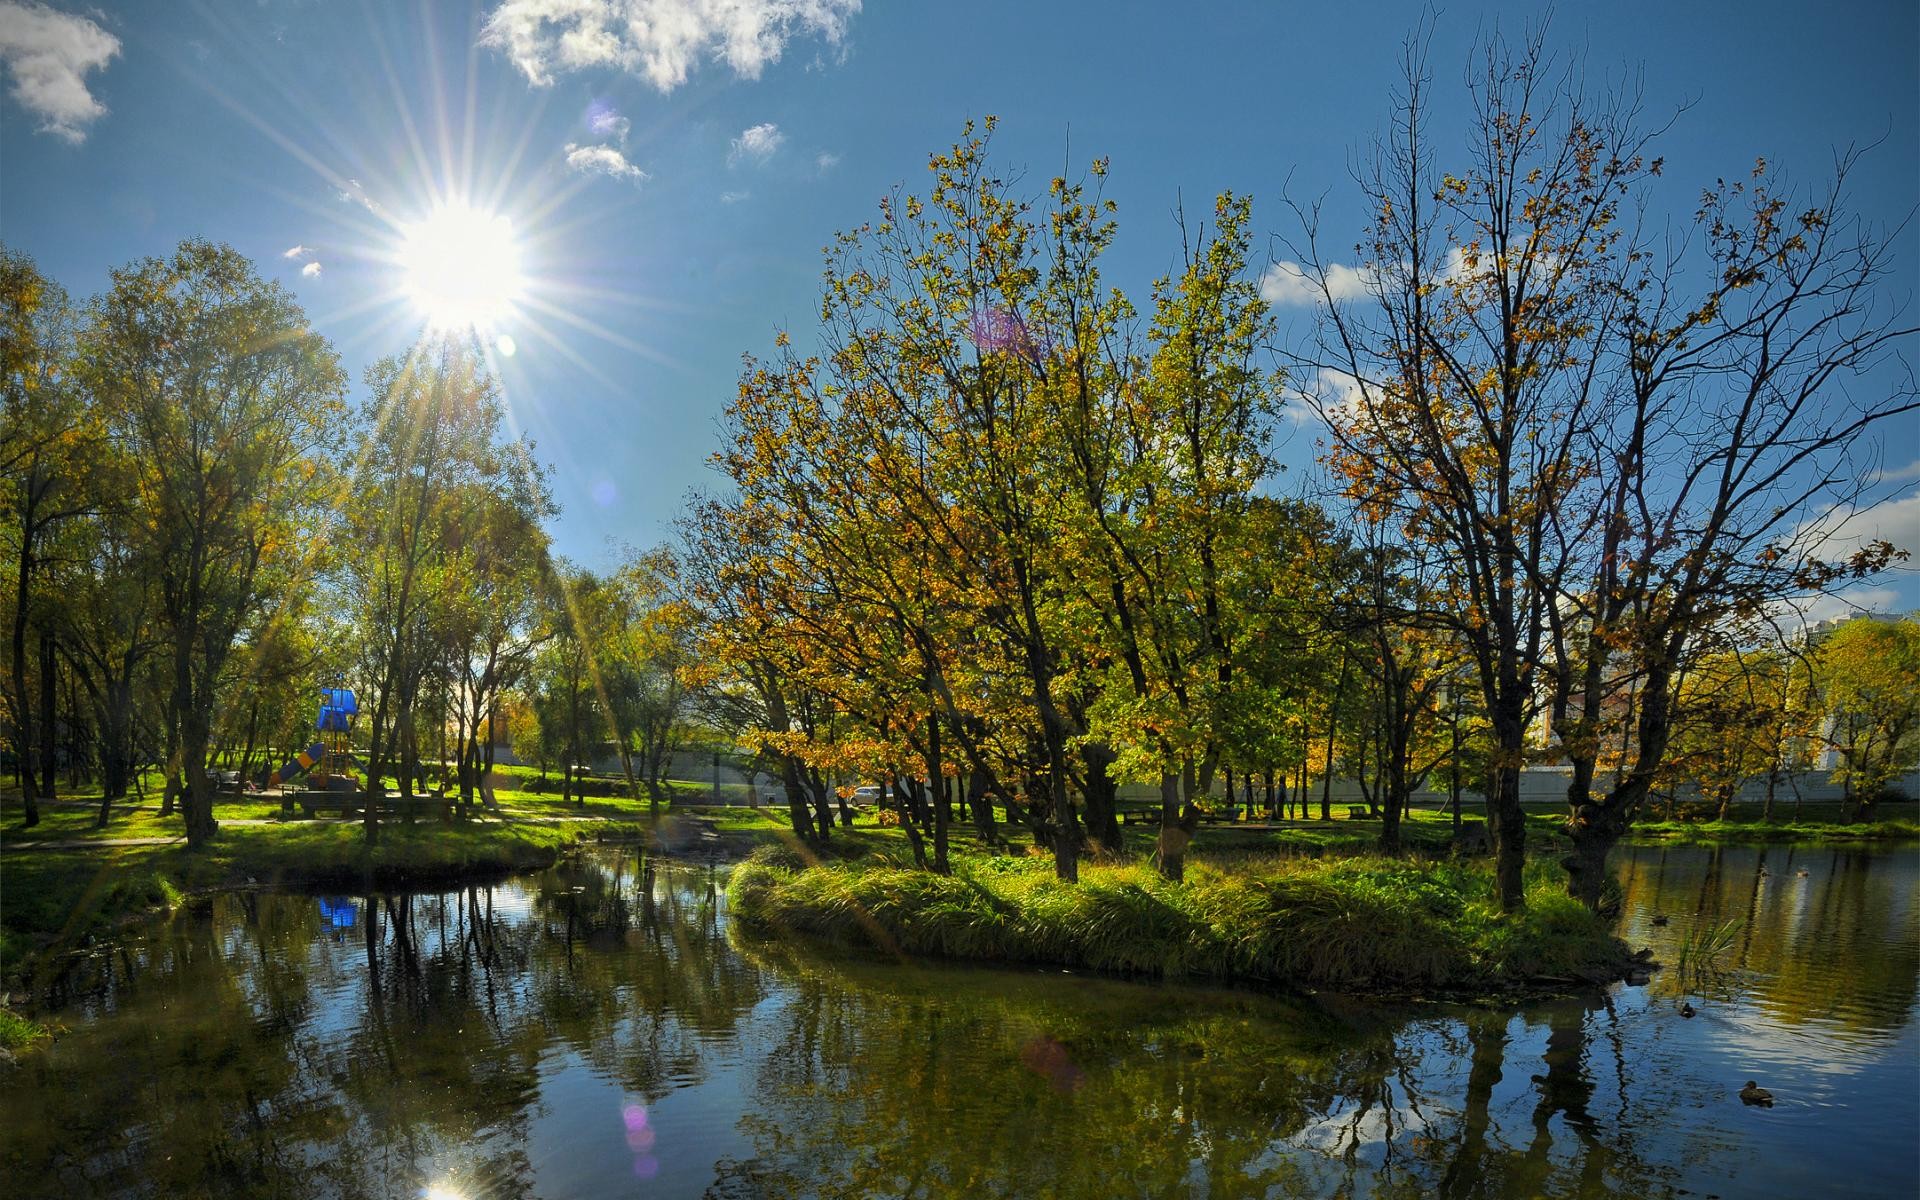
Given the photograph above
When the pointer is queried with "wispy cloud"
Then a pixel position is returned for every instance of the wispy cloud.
(310, 271)
(1334, 393)
(825, 161)
(1892, 474)
(603, 160)
(1840, 533)
(353, 193)
(607, 123)
(1288, 284)
(49, 53)
(661, 41)
(294, 252)
(756, 144)
(733, 197)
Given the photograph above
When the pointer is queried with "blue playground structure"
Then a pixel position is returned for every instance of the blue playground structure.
(328, 760)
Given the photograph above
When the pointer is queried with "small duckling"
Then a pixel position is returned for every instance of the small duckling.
(1687, 1009)
(1754, 1094)
(1660, 919)
(1802, 872)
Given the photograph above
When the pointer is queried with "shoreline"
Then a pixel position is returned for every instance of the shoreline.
(73, 892)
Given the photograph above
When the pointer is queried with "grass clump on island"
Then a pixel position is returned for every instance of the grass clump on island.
(1348, 923)
(1775, 831)
(18, 1033)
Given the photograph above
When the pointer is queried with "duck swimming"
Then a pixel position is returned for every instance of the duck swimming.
(1687, 1009)
(1660, 919)
(1753, 1093)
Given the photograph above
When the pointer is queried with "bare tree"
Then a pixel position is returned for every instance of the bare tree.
(1628, 447)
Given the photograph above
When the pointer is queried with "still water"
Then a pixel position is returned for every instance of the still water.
(597, 1030)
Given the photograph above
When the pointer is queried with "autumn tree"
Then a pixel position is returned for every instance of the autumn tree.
(44, 440)
(1625, 444)
(422, 516)
(226, 408)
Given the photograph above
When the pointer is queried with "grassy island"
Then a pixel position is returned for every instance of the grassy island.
(1340, 923)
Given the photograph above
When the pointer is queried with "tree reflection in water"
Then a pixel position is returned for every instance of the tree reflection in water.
(535, 1037)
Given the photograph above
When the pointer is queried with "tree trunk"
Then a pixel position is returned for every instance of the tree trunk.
(1393, 803)
(195, 732)
(980, 799)
(49, 740)
(1176, 829)
(1586, 863)
(1504, 814)
(22, 706)
(1103, 821)
(1064, 827)
(937, 780)
(797, 811)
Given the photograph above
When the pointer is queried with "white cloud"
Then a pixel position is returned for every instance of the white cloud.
(1289, 284)
(603, 160)
(733, 197)
(608, 123)
(661, 41)
(49, 53)
(1335, 393)
(1898, 474)
(756, 144)
(1817, 609)
(311, 270)
(824, 161)
(1842, 533)
(294, 252)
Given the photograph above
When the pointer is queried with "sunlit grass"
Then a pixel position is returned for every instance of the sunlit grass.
(1359, 923)
(54, 898)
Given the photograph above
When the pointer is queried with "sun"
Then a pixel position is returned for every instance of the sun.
(461, 267)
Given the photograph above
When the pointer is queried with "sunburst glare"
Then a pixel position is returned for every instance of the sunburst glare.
(461, 267)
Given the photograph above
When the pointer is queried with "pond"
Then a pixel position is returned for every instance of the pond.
(597, 1030)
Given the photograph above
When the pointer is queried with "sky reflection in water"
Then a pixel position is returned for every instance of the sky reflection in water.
(595, 1031)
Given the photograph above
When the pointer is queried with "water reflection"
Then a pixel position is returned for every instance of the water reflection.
(596, 1030)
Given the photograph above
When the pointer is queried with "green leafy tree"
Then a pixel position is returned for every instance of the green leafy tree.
(227, 409)
(1869, 671)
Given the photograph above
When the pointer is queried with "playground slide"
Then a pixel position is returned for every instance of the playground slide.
(301, 764)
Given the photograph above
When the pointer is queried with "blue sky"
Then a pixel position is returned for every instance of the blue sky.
(671, 185)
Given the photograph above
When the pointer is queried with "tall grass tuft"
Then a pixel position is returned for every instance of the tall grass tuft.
(1700, 951)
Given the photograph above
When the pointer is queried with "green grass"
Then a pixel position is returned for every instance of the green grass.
(54, 898)
(18, 1033)
(1774, 831)
(1345, 923)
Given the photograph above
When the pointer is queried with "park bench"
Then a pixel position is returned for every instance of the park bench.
(1151, 816)
(347, 804)
(1358, 812)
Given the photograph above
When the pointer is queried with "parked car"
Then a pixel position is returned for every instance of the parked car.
(869, 794)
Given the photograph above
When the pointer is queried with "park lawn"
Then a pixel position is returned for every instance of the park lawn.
(75, 815)
(56, 897)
